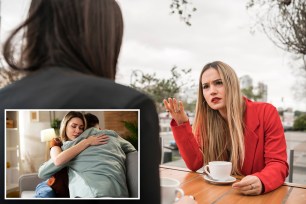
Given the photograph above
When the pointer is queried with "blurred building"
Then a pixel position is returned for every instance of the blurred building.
(262, 88)
(189, 94)
(246, 82)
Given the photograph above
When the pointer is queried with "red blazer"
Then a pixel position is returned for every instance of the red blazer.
(265, 145)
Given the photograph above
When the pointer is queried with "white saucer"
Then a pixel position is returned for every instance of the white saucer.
(227, 181)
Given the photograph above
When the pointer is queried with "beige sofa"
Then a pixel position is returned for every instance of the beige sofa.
(28, 182)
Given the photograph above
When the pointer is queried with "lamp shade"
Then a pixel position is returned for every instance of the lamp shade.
(47, 135)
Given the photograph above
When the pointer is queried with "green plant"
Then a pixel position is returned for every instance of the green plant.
(160, 88)
(132, 127)
(300, 123)
(56, 124)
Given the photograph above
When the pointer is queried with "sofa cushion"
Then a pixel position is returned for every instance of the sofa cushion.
(27, 194)
(132, 173)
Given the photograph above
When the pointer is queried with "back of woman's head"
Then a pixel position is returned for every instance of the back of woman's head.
(66, 119)
(85, 35)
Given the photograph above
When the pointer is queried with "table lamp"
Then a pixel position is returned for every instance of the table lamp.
(45, 136)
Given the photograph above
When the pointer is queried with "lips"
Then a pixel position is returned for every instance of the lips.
(215, 100)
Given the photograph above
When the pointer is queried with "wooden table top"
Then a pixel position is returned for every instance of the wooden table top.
(194, 184)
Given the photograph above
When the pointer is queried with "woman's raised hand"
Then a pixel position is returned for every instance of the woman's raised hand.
(176, 109)
(97, 140)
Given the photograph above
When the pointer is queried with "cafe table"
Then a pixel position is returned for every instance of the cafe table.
(194, 183)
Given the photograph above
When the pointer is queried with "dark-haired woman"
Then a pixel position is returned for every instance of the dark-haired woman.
(70, 51)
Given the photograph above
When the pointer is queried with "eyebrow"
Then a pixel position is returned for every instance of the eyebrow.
(76, 124)
(213, 81)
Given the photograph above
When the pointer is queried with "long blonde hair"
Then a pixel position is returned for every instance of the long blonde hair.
(217, 136)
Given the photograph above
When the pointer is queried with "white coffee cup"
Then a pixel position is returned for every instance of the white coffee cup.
(169, 190)
(220, 170)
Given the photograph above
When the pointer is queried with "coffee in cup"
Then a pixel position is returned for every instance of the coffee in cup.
(169, 190)
(220, 170)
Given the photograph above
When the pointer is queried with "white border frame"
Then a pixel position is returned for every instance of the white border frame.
(37, 120)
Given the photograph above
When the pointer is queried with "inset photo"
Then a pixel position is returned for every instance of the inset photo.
(72, 154)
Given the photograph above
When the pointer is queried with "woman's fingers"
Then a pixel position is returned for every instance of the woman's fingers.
(170, 100)
(249, 185)
(176, 110)
(173, 105)
(103, 138)
(250, 189)
(178, 107)
(98, 140)
(167, 105)
(181, 106)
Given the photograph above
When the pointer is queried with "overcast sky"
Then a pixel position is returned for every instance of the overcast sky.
(155, 41)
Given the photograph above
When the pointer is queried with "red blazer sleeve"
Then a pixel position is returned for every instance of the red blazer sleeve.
(276, 167)
(188, 145)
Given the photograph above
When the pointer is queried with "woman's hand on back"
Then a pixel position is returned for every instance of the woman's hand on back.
(97, 140)
(176, 109)
(61, 157)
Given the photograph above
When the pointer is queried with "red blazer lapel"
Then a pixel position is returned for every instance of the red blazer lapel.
(250, 136)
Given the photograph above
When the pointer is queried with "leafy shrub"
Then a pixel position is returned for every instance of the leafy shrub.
(300, 123)
(56, 124)
(133, 129)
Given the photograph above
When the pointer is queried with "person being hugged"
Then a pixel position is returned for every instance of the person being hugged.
(230, 127)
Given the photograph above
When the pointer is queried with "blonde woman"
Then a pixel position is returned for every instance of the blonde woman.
(230, 127)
